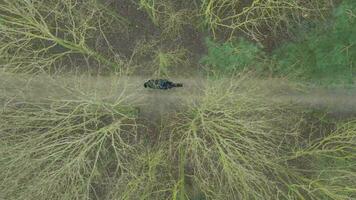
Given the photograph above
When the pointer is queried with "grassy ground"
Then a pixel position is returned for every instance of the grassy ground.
(257, 118)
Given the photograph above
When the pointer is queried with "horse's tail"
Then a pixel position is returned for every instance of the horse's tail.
(178, 85)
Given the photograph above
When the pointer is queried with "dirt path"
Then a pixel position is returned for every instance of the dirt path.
(152, 103)
(340, 102)
(155, 103)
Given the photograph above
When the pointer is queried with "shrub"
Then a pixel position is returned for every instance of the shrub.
(326, 54)
(231, 56)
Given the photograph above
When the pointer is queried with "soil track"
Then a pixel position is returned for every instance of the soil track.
(151, 103)
(338, 102)
(155, 103)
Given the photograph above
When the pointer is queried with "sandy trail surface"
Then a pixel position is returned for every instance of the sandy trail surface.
(153, 103)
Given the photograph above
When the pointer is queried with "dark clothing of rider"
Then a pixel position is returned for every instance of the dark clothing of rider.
(161, 84)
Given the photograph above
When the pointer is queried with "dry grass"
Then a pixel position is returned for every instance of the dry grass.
(333, 163)
(254, 16)
(233, 144)
(227, 142)
(37, 35)
(164, 61)
(70, 147)
(84, 137)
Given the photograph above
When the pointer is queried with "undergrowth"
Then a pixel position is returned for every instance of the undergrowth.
(232, 56)
(324, 54)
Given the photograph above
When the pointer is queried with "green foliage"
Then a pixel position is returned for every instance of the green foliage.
(325, 55)
(231, 56)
